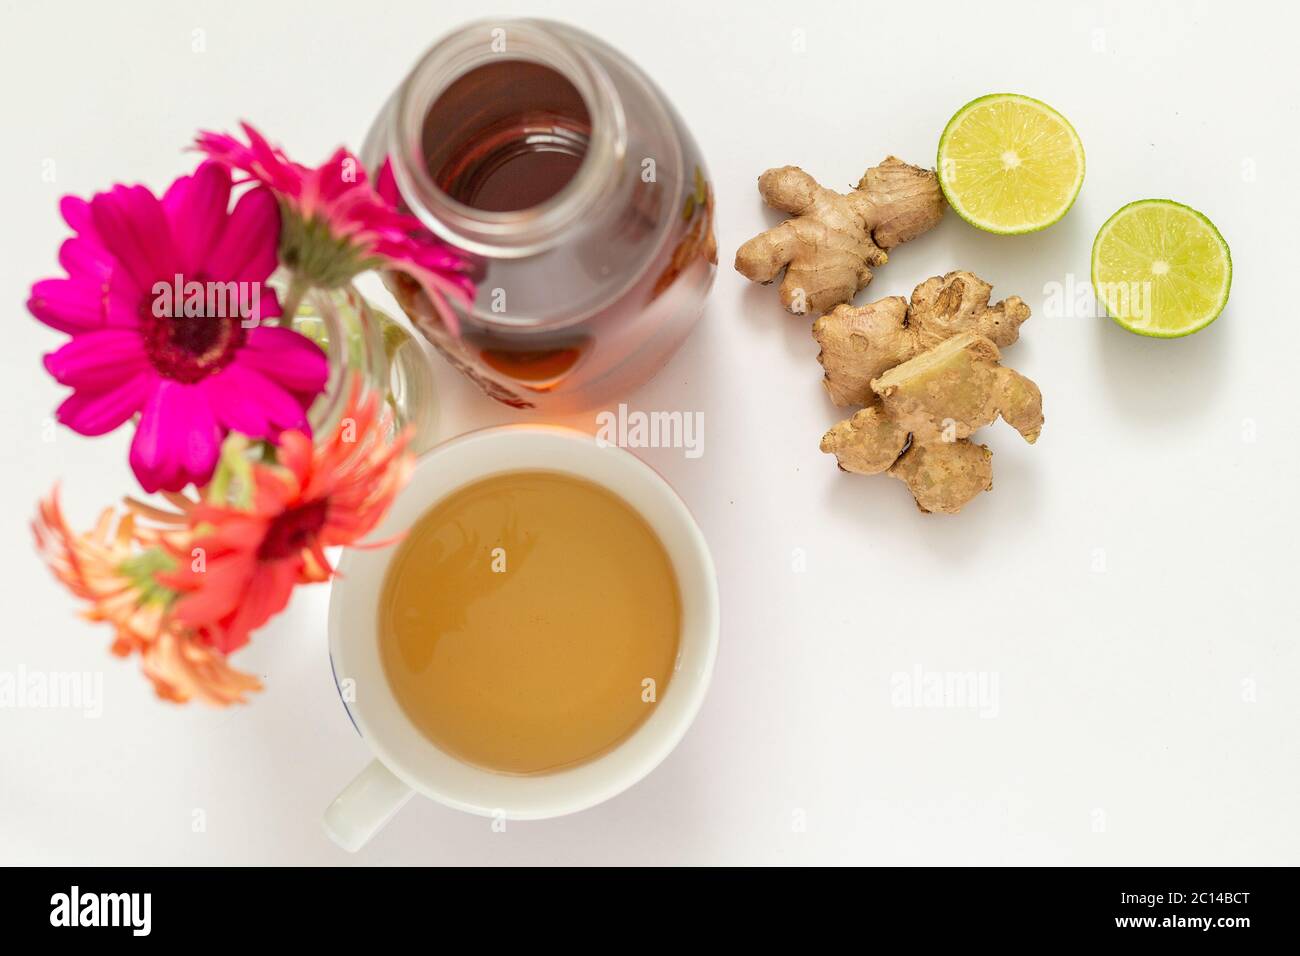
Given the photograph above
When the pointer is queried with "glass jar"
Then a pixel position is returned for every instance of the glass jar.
(559, 168)
(368, 349)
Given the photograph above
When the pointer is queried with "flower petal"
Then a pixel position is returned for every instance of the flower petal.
(281, 408)
(182, 667)
(130, 223)
(85, 259)
(196, 208)
(124, 305)
(69, 305)
(235, 399)
(93, 413)
(269, 304)
(259, 159)
(286, 357)
(247, 248)
(177, 440)
(98, 360)
(220, 587)
(267, 595)
(339, 174)
(386, 183)
(437, 288)
(76, 213)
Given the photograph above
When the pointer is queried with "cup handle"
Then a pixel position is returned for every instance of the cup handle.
(364, 806)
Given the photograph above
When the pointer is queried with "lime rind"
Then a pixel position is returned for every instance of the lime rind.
(1148, 330)
(954, 200)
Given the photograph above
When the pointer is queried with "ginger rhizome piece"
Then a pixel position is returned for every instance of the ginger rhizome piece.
(833, 240)
(929, 374)
(861, 343)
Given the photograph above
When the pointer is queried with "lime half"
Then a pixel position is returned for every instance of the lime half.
(1161, 268)
(1010, 164)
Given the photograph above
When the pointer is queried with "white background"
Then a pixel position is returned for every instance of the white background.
(1126, 728)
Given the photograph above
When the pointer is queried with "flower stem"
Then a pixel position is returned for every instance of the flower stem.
(298, 287)
(232, 482)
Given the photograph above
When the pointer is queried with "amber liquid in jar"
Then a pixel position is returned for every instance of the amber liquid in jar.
(505, 137)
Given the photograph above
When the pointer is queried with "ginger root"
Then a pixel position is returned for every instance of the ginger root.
(930, 375)
(834, 239)
(862, 343)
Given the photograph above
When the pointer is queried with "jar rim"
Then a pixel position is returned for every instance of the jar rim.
(522, 232)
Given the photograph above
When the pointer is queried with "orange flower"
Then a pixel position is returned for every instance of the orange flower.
(112, 568)
(237, 566)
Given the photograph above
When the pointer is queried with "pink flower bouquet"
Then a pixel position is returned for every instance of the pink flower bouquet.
(175, 326)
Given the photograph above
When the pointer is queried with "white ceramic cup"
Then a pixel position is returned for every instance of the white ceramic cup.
(406, 761)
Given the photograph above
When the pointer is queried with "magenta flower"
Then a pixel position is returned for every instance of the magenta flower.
(337, 224)
(163, 300)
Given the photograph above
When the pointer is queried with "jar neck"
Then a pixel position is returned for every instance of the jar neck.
(523, 232)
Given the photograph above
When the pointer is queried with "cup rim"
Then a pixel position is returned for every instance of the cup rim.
(353, 623)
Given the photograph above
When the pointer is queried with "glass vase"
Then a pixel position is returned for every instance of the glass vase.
(367, 347)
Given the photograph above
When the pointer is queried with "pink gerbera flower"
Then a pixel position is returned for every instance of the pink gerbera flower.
(192, 367)
(337, 224)
(316, 496)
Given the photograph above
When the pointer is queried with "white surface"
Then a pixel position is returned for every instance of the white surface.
(1121, 694)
